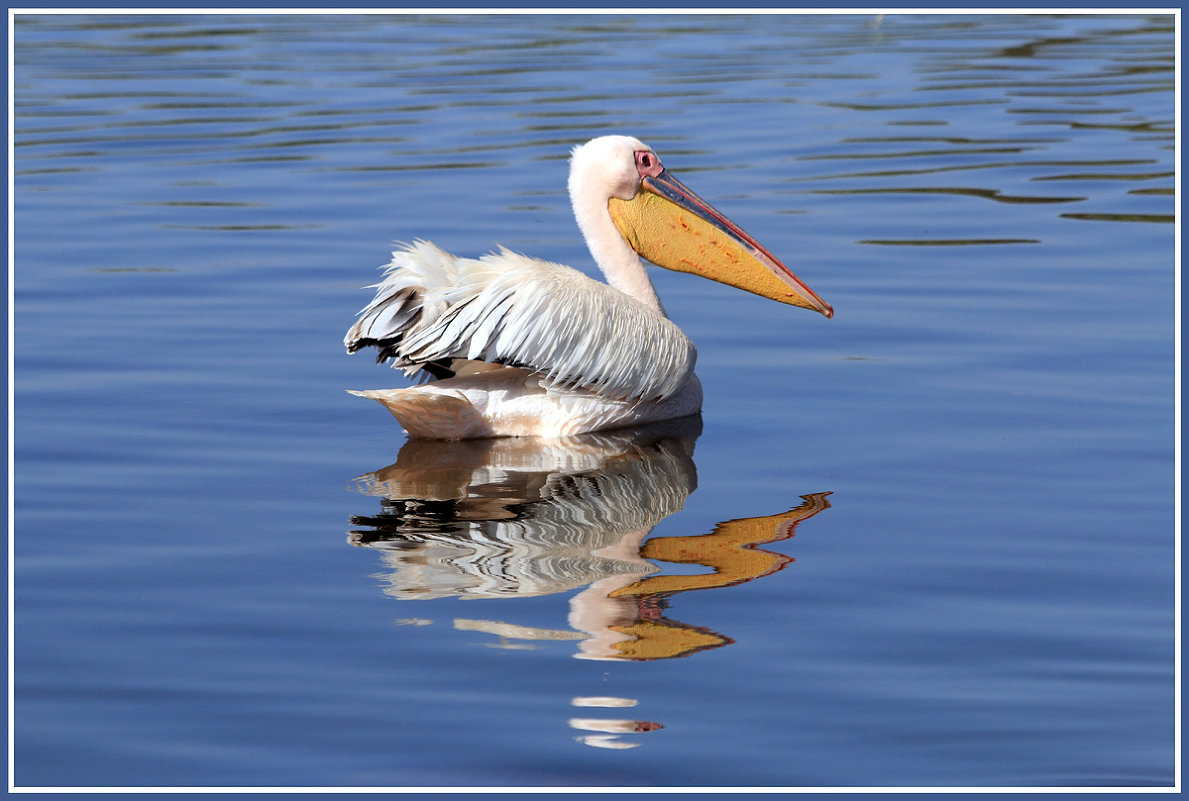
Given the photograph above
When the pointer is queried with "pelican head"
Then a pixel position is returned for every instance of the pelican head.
(620, 180)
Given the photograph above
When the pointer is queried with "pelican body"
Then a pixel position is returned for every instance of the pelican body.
(513, 346)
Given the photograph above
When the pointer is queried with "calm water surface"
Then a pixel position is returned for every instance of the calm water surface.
(928, 542)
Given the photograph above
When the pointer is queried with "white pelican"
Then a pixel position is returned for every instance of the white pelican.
(514, 346)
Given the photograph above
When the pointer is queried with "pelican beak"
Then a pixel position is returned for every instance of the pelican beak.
(672, 227)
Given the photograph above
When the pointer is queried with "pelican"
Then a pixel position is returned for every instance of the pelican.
(507, 345)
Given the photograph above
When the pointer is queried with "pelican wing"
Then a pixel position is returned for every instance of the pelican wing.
(433, 309)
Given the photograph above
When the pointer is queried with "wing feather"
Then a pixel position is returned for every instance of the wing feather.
(509, 309)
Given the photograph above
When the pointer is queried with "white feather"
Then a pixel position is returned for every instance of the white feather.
(506, 308)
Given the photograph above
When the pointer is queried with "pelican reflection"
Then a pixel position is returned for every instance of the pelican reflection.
(505, 518)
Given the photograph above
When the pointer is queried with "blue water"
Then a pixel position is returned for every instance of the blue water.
(219, 580)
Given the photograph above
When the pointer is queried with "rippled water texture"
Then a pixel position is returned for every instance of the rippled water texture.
(928, 542)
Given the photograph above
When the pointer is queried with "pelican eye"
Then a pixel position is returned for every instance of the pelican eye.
(647, 164)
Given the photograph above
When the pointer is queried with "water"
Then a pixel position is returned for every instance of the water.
(930, 542)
